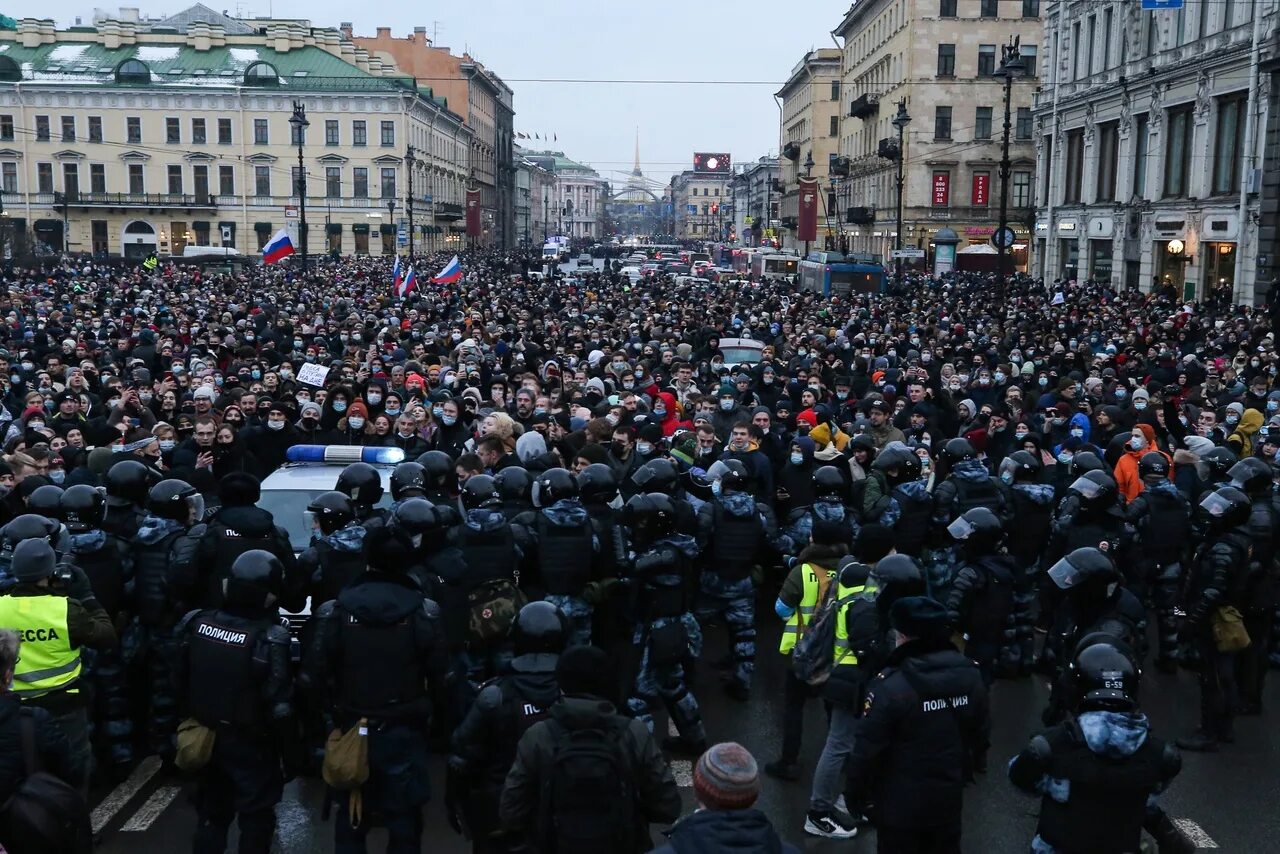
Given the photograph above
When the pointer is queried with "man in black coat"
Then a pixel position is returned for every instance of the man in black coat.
(52, 746)
(925, 731)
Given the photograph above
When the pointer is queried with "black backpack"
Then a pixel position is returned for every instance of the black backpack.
(46, 815)
(591, 796)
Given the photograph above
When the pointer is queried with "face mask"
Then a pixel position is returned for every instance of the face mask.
(449, 420)
(767, 379)
(297, 343)
(275, 425)
(1273, 405)
(1064, 458)
(999, 376)
(660, 411)
(802, 352)
(15, 379)
(1077, 432)
(145, 396)
(339, 406)
(1233, 419)
(619, 367)
(797, 459)
(355, 422)
(644, 449)
(393, 412)
(404, 435)
(1137, 443)
(1139, 405)
(815, 388)
(841, 395)
(308, 423)
(1044, 381)
(726, 405)
(639, 374)
(26, 366)
(1006, 476)
(257, 375)
(57, 475)
(375, 399)
(1121, 394)
(168, 444)
(618, 448)
(612, 419)
(1020, 434)
(716, 488)
(35, 425)
(302, 399)
(984, 380)
(1255, 363)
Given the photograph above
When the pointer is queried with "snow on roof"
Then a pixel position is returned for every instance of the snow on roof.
(156, 53)
(244, 54)
(66, 52)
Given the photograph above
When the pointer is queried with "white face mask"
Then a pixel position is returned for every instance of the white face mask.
(644, 448)
(356, 422)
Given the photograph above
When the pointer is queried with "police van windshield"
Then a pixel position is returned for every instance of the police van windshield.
(289, 508)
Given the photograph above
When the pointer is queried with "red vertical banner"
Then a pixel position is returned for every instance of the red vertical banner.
(473, 213)
(941, 189)
(807, 228)
(981, 189)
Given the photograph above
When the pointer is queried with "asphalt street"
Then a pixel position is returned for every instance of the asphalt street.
(1224, 800)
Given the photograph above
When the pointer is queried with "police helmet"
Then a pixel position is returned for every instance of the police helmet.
(440, 471)
(732, 475)
(1249, 475)
(239, 489)
(1020, 465)
(1106, 678)
(129, 481)
(862, 442)
(554, 485)
(894, 577)
(408, 480)
(978, 529)
(1095, 488)
(480, 491)
(539, 629)
(658, 475)
(1083, 566)
(256, 577)
(417, 517)
(894, 456)
(175, 500)
(514, 484)
(828, 484)
(1220, 461)
(597, 484)
(46, 500)
(1084, 462)
(650, 515)
(332, 510)
(362, 484)
(1156, 464)
(1225, 508)
(958, 450)
(80, 507)
(30, 526)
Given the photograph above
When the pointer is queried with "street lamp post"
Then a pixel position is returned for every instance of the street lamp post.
(300, 124)
(546, 215)
(391, 217)
(900, 121)
(410, 161)
(808, 172)
(1011, 66)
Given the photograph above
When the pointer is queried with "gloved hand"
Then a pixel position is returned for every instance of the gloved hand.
(79, 587)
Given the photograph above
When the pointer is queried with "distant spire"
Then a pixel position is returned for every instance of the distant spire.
(636, 171)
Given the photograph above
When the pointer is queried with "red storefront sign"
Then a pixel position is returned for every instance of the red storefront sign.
(807, 227)
(981, 189)
(473, 213)
(941, 189)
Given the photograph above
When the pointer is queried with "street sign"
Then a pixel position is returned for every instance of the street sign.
(906, 253)
(1161, 4)
(291, 212)
(1003, 238)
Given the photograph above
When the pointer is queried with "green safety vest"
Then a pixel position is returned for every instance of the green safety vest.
(844, 655)
(47, 661)
(797, 622)
(150, 263)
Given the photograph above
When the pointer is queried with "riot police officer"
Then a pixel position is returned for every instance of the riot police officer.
(165, 568)
(240, 526)
(912, 500)
(967, 485)
(515, 487)
(1090, 516)
(105, 561)
(599, 489)
(661, 475)
(362, 484)
(980, 601)
(1028, 531)
(408, 480)
(1100, 772)
(380, 656)
(564, 547)
(828, 508)
(234, 677)
(1160, 516)
(662, 585)
(45, 501)
(442, 477)
(336, 556)
(734, 530)
(1253, 477)
(1218, 580)
(484, 744)
(127, 484)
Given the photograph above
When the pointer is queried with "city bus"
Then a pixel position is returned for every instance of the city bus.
(834, 274)
(766, 265)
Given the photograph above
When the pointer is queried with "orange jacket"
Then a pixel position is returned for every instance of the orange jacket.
(1126, 472)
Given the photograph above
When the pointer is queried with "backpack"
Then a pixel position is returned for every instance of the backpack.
(815, 651)
(590, 796)
(46, 815)
(491, 609)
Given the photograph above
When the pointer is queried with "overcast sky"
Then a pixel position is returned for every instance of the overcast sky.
(716, 40)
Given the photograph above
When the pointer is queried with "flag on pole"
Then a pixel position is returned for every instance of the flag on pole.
(278, 247)
(410, 282)
(451, 273)
(396, 276)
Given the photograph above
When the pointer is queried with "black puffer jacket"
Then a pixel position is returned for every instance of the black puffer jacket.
(725, 832)
(51, 746)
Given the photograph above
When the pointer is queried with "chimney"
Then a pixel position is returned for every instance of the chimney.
(384, 33)
(346, 29)
(420, 36)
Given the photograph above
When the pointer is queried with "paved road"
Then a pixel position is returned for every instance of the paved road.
(1226, 800)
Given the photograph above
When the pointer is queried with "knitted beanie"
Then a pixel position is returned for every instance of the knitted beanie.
(726, 777)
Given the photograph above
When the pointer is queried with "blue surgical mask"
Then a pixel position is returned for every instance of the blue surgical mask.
(1078, 432)
(374, 399)
(797, 459)
(1006, 476)
(449, 420)
(1139, 405)
(1044, 381)
(339, 406)
(1121, 393)
(644, 449)
(716, 489)
(1064, 457)
(393, 412)
(256, 374)
(1273, 405)
(726, 405)
(437, 411)
(660, 411)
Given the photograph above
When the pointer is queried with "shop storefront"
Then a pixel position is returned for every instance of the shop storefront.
(1219, 266)
(1069, 249)
(1170, 265)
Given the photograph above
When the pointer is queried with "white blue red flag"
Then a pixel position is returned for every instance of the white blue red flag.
(410, 282)
(396, 274)
(278, 247)
(451, 273)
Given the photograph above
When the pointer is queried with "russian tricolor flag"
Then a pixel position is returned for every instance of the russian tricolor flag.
(396, 276)
(278, 247)
(451, 273)
(410, 282)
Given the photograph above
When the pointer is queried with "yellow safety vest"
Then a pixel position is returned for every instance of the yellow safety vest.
(798, 621)
(844, 655)
(150, 263)
(47, 661)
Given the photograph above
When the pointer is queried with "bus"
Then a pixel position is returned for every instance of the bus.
(773, 266)
(834, 274)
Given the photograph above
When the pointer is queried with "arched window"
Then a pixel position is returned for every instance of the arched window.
(133, 71)
(9, 69)
(261, 74)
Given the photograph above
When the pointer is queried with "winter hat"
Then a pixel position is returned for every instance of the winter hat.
(1148, 433)
(530, 446)
(919, 617)
(33, 560)
(809, 417)
(358, 408)
(585, 670)
(1198, 445)
(1141, 394)
(310, 406)
(726, 777)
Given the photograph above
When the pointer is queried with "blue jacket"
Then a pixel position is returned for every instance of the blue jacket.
(725, 832)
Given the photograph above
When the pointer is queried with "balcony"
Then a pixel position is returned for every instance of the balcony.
(865, 106)
(861, 216)
(135, 200)
(448, 211)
